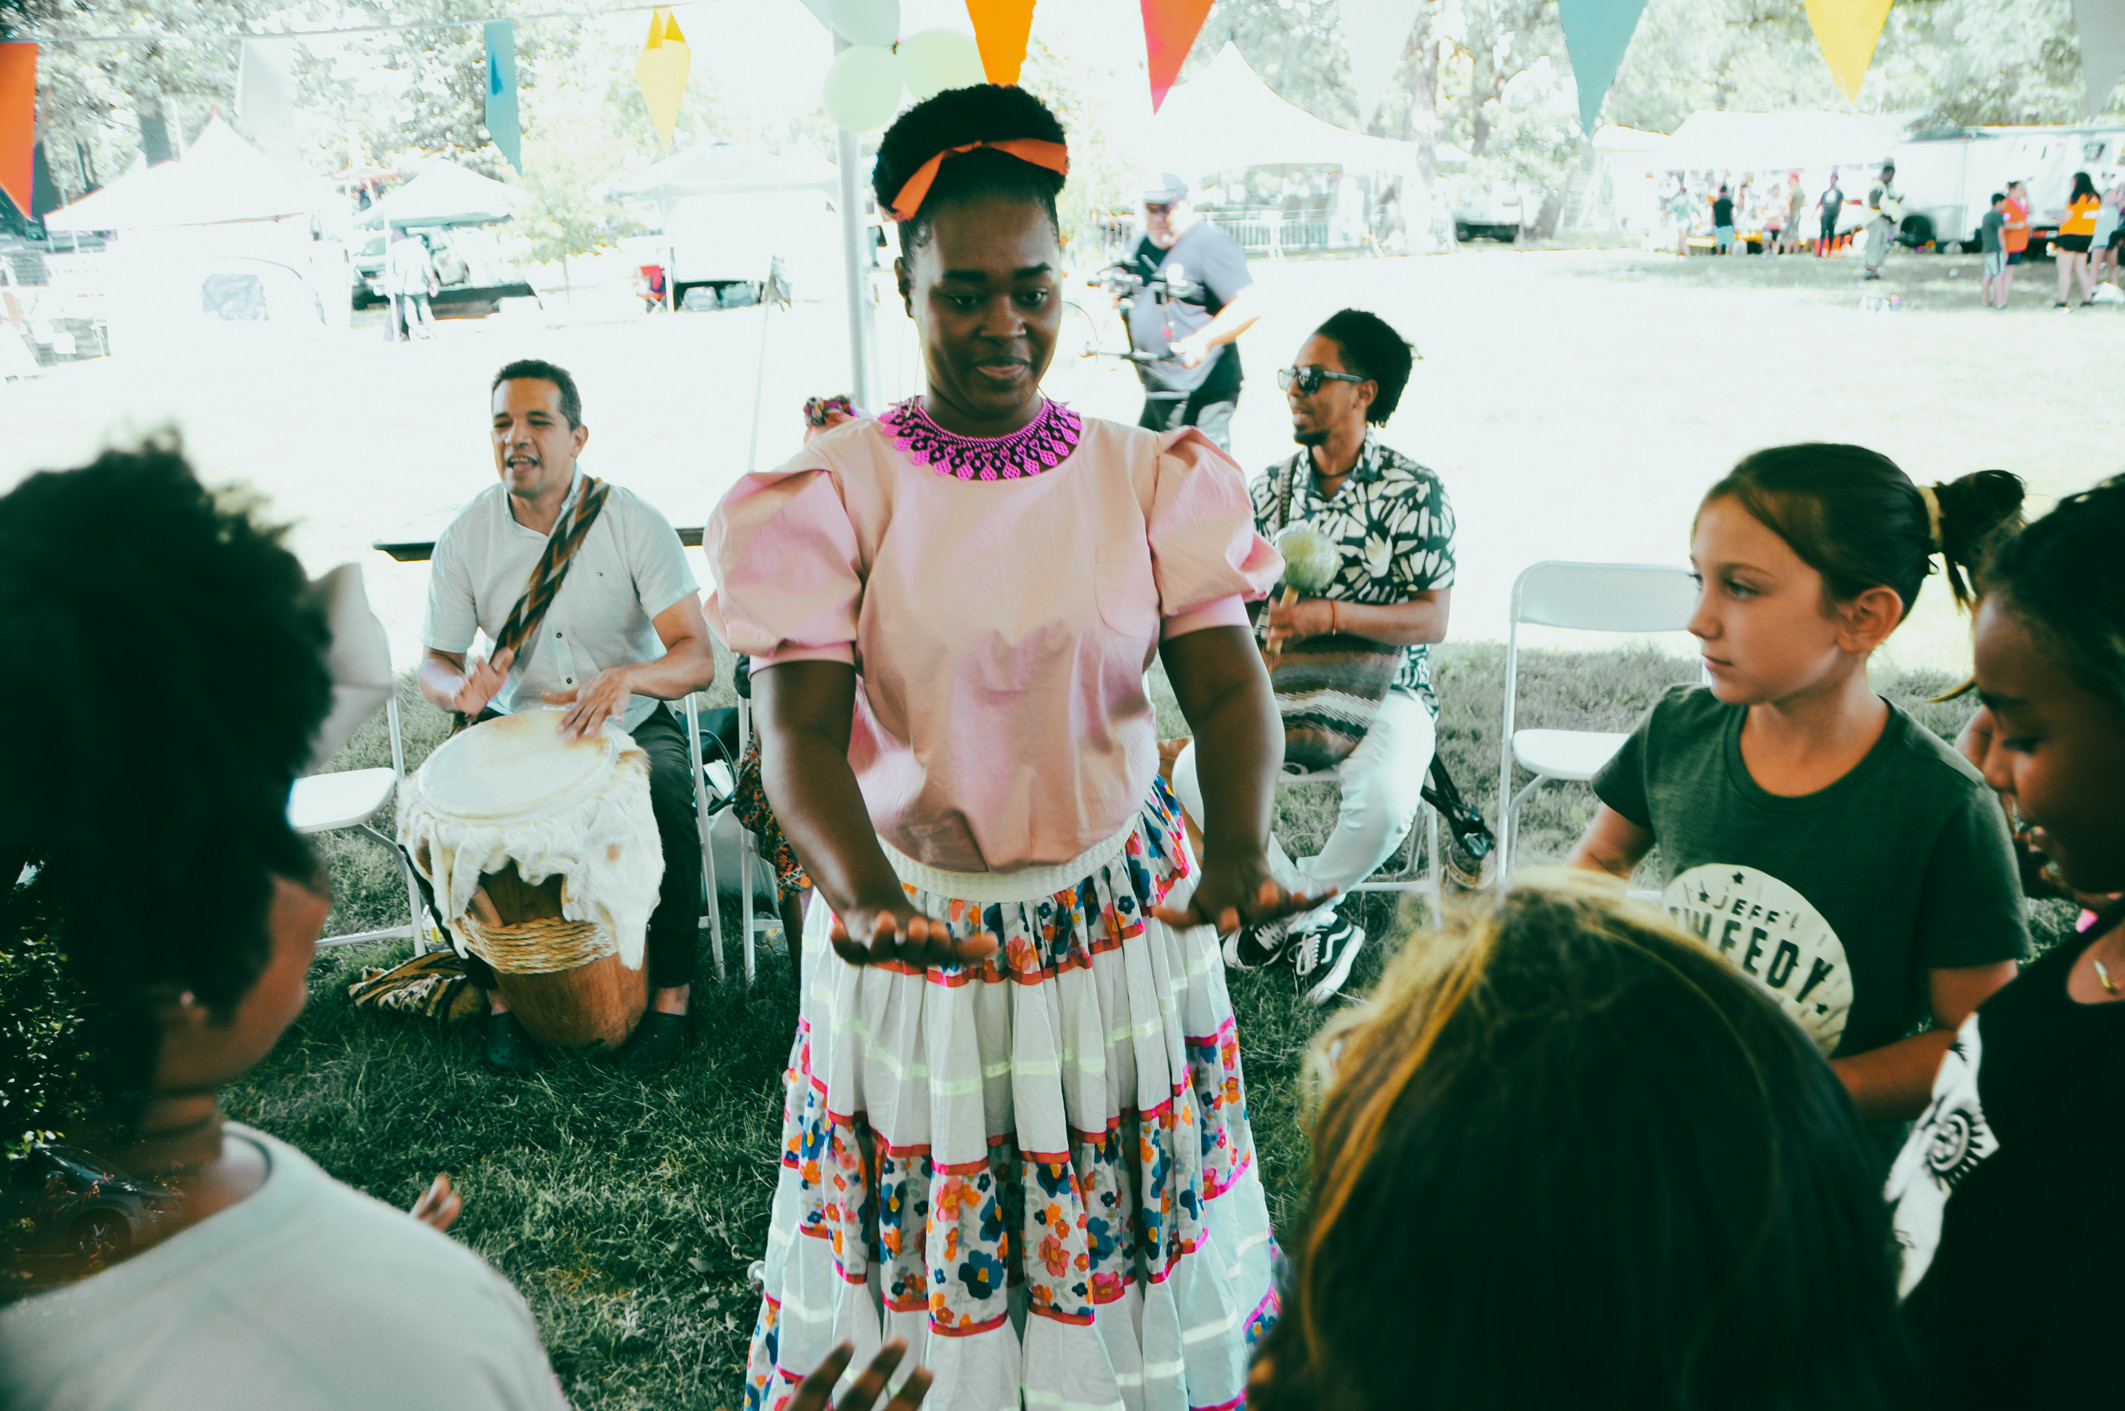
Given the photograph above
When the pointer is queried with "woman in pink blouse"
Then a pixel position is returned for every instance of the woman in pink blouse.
(1015, 1131)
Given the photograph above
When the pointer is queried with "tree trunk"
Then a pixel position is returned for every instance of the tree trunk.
(1420, 128)
(154, 130)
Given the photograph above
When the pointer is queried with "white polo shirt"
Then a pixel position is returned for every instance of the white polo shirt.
(629, 568)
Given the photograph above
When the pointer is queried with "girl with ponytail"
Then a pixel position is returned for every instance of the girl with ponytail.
(1828, 846)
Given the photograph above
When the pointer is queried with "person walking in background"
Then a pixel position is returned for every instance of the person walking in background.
(1771, 216)
(410, 277)
(1680, 210)
(1885, 215)
(2015, 234)
(1993, 238)
(2109, 233)
(1195, 302)
(1831, 205)
(1723, 223)
(2076, 234)
(1796, 208)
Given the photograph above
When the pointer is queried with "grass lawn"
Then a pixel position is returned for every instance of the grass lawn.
(627, 1213)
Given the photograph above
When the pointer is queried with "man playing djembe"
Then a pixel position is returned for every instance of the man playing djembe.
(621, 635)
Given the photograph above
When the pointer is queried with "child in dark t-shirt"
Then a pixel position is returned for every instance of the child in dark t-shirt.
(1828, 846)
(1992, 235)
(2010, 1267)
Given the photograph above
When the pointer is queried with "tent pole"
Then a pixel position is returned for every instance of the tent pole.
(848, 159)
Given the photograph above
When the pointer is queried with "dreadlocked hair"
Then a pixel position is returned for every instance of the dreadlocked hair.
(2064, 576)
(1563, 1114)
(986, 112)
(1372, 349)
(147, 820)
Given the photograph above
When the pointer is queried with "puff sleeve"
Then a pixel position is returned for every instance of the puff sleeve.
(1206, 557)
(784, 558)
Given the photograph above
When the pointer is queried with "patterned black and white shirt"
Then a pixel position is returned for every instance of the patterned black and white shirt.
(1396, 530)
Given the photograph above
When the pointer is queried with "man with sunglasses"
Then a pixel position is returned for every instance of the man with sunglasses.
(1393, 587)
(1197, 298)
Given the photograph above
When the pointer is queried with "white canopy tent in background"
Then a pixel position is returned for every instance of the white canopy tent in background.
(725, 169)
(445, 194)
(221, 179)
(1752, 142)
(222, 242)
(1226, 118)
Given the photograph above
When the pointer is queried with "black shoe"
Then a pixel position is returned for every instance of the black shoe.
(1252, 947)
(657, 1043)
(1324, 957)
(509, 1048)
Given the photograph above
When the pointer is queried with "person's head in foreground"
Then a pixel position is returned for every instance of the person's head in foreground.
(981, 260)
(1348, 375)
(2051, 673)
(1567, 1157)
(1809, 556)
(1168, 213)
(167, 874)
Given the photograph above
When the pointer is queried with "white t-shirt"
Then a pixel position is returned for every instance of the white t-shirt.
(308, 1296)
(629, 568)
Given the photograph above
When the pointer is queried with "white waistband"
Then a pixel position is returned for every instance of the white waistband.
(1024, 884)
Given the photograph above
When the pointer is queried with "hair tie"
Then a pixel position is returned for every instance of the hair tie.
(1052, 155)
(1933, 516)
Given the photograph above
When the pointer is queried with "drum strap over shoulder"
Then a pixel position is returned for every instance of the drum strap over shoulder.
(546, 578)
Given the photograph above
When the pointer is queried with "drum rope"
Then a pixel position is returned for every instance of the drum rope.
(537, 947)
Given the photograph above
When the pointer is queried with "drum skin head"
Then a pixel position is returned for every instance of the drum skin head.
(516, 766)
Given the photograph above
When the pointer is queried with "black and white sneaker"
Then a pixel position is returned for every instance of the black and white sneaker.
(1252, 947)
(1324, 957)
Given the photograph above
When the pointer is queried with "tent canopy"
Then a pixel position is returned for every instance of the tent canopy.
(1226, 117)
(445, 194)
(1763, 141)
(222, 179)
(725, 169)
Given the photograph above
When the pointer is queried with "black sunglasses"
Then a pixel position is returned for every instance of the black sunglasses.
(1309, 379)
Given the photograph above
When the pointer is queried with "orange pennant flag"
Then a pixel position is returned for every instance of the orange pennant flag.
(1847, 31)
(18, 122)
(1001, 28)
(1170, 27)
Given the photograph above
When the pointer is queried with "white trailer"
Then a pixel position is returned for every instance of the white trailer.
(1948, 177)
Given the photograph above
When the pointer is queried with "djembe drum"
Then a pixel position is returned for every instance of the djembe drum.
(545, 860)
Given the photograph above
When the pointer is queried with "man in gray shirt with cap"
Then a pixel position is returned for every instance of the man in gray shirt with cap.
(1197, 298)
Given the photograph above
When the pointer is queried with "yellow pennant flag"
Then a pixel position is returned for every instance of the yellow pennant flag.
(1847, 30)
(661, 71)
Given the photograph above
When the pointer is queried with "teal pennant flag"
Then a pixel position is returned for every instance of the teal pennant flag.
(503, 126)
(1597, 33)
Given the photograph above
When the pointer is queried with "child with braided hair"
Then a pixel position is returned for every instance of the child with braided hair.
(1015, 1132)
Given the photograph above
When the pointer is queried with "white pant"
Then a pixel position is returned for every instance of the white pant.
(1382, 782)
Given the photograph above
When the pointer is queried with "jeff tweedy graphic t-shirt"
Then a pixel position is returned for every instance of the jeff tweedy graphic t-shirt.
(1836, 903)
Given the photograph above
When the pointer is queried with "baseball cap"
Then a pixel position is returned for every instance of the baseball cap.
(1161, 187)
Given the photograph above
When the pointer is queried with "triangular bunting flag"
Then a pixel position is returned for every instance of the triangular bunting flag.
(660, 72)
(2101, 24)
(1847, 31)
(18, 123)
(265, 97)
(1170, 27)
(1001, 28)
(504, 128)
(1597, 34)
(1375, 32)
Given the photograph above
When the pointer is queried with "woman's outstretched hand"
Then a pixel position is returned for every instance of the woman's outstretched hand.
(873, 935)
(814, 1391)
(1229, 898)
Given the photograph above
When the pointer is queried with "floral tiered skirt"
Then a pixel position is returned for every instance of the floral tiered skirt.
(1037, 1171)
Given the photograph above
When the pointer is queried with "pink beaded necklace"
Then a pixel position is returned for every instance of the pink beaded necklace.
(1041, 444)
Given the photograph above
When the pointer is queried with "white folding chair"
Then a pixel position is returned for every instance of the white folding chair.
(1586, 597)
(1407, 878)
(346, 801)
(708, 852)
(724, 829)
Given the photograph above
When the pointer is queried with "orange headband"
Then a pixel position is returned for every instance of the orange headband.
(1052, 155)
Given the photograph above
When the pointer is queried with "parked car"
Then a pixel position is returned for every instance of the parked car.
(67, 1212)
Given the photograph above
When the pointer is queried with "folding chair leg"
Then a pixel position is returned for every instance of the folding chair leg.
(708, 846)
(748, 875)
(1435, 884)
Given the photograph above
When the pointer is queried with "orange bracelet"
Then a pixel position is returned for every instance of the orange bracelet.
(1332, 623)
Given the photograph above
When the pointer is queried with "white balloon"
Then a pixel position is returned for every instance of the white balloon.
(866, 21)
(862, 89)
(937, 59)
